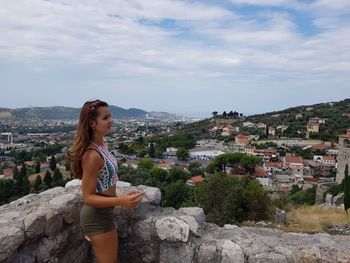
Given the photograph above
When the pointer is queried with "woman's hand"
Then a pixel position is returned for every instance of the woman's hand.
(131, 199)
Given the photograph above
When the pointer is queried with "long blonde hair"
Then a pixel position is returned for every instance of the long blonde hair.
(88, 113)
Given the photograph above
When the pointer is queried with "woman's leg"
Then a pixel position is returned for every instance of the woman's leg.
(105, 246)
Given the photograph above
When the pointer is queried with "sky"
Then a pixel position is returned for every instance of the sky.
(179, 56)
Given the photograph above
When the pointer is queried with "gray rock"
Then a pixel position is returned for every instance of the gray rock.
(70, 206)
(48, 247)
(194, 226)
(144, 229)
(307, 255)
(34, 224)
(53, 191)
(12, 215)
(270, 257)
(196, 212)
(321, 189)
(329, 199)
(76, 254)
(152, 194)
(208, 253)
(231, 252)
(10, 239)
(152, 234)
(54, 221)
(63, 201)
(139, 212)
(73, 183)
(338, 199)
(123, 184)
(172, 229)
(45, 247)
(26, 254)
(280, 217)
(24, 201)
(173, 253)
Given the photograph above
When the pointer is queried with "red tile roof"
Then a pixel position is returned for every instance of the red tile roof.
(321, 146)
(293, 159)
(328, 158)
(197, 179)
(260, 172)
(8, 172)
(241, 136)
(274, 165)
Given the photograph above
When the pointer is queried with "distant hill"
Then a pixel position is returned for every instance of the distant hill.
(336, 114)
(60, 113)
(64, 113)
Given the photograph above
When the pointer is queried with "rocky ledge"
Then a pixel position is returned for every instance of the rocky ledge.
(45, 228)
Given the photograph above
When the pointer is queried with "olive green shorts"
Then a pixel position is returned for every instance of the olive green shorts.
(95, 220)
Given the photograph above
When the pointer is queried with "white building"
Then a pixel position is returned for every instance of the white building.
(205, 155)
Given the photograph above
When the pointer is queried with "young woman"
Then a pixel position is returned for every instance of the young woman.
(97, 167)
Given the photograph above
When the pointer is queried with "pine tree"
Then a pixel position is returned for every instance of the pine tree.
(346, 188)
(57, 178)
(20, 179)
(23, 182)
(15, 174)
(53, 163)
(25, 186)
(152, 151)
(67, 165)
(37, 166)
(47, 180)
(38, 183)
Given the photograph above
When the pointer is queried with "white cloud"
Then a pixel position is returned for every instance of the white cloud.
(167, 41)
(294, 4)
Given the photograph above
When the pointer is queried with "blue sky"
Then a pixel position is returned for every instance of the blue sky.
(186, 57)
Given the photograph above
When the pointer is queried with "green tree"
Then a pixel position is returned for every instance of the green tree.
(37, 166)
(195, 168)
(249, 162)
(15, 174)
(146, 164)
(182, 154)
(67, 165)
(304, 196)
(26, 186)
(236, 201)
(7, 190)
(295, 189)
(53, 163)
(151, 151)
(38, 183)
(158, 174)
(21, 178)
(176, 193)
(346, 188)
(234, 160)
(57, 178)
(47, 180)
(176, 174)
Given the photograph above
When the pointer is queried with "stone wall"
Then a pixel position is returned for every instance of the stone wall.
(45, 228)
(342, 159)
(321, 189)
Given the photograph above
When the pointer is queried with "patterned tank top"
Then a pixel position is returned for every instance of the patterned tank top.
(107, 177)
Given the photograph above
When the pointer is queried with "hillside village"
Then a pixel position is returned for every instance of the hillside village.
(286, 161)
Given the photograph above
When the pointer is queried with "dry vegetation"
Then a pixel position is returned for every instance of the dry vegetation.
(314, 218)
